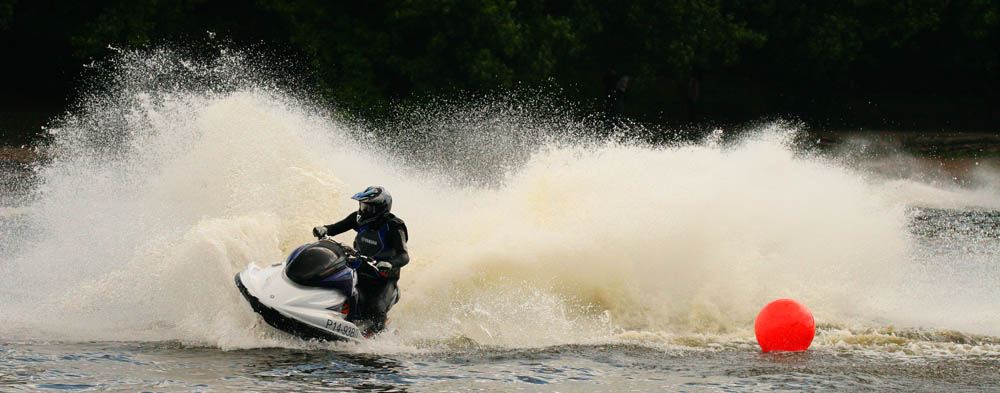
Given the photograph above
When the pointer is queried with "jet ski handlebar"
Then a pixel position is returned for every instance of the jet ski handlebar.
(352, 254)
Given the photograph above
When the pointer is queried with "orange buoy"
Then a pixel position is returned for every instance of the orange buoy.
(784, 325)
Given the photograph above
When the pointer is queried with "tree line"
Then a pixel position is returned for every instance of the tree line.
(845, 63)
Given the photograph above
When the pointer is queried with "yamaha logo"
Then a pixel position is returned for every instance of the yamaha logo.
(369, 241)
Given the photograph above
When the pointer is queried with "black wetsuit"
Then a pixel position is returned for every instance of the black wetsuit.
(384, 240)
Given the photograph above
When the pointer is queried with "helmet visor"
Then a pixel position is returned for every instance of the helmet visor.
(366, 208)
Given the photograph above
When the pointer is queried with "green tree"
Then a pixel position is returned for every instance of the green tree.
(673, 42)
(6, 13)
(368, 55)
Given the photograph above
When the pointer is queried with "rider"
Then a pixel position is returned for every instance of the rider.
(382, 237)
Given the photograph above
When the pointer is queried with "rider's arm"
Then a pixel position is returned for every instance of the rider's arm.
(396, 240)
(351, 222)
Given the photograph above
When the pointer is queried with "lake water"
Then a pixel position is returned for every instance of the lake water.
(542, 259)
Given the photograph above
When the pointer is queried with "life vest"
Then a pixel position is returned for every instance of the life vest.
(370, 240)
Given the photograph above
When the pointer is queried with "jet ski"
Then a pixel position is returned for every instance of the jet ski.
(312, 294)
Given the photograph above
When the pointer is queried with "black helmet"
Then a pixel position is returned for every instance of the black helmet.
(374, 202)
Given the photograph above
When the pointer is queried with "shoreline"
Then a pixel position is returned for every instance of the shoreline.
(941, 146)
(21, 155)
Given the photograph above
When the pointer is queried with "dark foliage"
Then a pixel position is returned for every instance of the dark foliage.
(854, 63)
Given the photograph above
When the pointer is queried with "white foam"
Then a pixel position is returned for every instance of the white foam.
(154, 200)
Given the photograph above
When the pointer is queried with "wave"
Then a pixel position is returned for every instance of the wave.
(153, 197)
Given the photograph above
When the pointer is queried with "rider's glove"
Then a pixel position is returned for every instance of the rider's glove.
(353, 262)
(384, 268)
(319, 231)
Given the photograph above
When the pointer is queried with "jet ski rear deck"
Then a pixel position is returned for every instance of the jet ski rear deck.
(292, 326)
